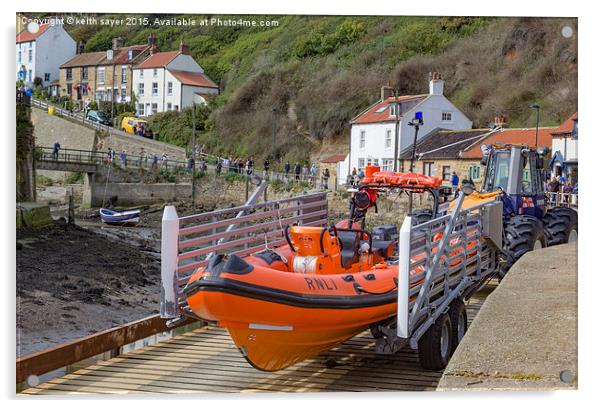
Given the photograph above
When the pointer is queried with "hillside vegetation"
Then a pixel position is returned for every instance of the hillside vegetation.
(304, 80)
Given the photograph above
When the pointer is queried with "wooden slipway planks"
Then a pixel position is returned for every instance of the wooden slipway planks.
(206, 360)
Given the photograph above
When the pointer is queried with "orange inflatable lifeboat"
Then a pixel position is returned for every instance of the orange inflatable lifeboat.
(285, 305)
(375, 177)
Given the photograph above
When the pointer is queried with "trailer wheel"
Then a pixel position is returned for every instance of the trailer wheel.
(459, 321)
(523, 233)
(435, 346)
(560, 225)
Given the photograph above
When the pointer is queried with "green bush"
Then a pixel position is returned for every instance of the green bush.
(74, 178)
(43, 181)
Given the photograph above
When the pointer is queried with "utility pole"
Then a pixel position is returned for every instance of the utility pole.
(536, 107)
(193, 152)
(396, 154)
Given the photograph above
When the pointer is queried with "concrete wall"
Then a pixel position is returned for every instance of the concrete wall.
(133, 193)
(49, 128)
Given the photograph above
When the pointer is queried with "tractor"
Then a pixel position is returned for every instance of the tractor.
(515, 175)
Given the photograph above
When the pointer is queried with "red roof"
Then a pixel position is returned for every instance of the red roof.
(193, 78)
(567, 126)
(512, 136)
(26, 36)
(379, 112)
(158, 60)
(335, 158)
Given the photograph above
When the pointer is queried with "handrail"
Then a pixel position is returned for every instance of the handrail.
(65, 354)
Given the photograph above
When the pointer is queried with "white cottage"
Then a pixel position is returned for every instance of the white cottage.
(40, 54)
(372, 131)
(170, 81)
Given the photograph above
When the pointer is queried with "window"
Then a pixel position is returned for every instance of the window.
(101, 75)
(141, 89)
(84, 73)
(154, 108)
(130, 54)
(140, 109)
(155, 90)
(123, 74)
(388, 139)
(69, 74)
(362, 139)
(168, 106)
(428, 168)
(361, 163)
(387, 165)
(155, 72)
(69, 90)
(446, 173)
(30, 80)
(123, 94)
(169, 88)
(46, 77)
(30, 55)
(446, 116)
(84, 88)
(474, 173)
(391, 110)
(175, 107)
(19, 57)
(381, 109)
(141, 74)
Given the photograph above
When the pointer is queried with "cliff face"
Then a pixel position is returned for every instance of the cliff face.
(290, 89)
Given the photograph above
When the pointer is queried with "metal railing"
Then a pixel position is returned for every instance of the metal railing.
(188, 242)
(559, 199)
(441, 260)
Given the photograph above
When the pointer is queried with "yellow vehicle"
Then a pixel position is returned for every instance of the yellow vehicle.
(128, 123)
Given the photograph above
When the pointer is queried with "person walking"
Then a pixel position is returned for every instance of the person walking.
(249, 166)
(218, 167)
(241, 166)
(266, 167)
(124, 159)
(313, 171)
(164, 160)
(297, 171)
(287, 168)
(455, 181)
(190, 164)
(55, 150)
(135, 130)
(304, 172)
(155, 161)
(325, 177)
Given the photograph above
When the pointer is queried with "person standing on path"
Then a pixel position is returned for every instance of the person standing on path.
(325, 177)
(297, 170)
(164, 160)
(455, 181)
(55, 150)
(287, 168)
(124, 159)
(266, 168)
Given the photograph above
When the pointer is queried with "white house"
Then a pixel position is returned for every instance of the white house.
(170, 81)
(40, 54)
(565, 158)
(372, 131)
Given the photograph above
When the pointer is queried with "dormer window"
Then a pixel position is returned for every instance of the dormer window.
(130, 54)
(446, 116)
(391, 110)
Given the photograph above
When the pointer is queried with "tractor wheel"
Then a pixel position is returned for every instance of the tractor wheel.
(459, 321)
(435, 346)
(523, 233)
(420, 216)
(560, 225)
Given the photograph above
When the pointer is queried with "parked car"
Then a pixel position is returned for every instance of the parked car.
(128, 123)
(99, 117)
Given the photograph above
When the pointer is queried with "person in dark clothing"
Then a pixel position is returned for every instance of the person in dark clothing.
(218, 166)
(325, 177)
(241, 166)
(55, 150)
(135, 129)
(190, 164)
(553, 185)
(287, 169)
(297, 171)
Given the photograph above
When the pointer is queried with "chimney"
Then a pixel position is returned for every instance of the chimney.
(184, 50)
(79, 49)
(501, 121)
(117, 43)
(152, 40)
(385, 92)
(435, 83)
(154, 49)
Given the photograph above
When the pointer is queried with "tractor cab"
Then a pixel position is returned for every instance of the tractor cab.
(519, 173)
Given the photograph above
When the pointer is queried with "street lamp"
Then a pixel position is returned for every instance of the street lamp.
(537, 107)
(416, 122)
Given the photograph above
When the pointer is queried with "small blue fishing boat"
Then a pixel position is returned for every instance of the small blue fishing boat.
(129, 217)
